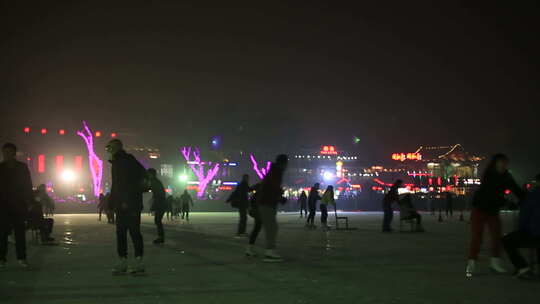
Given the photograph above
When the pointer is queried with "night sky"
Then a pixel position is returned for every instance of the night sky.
(280, 76)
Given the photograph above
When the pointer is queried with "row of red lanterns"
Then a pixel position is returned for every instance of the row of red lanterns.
(44, 131)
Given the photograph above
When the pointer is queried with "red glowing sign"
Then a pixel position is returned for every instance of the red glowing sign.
(328, 150)
(113, 134)
(43, 131)
(406, 156)
(41, 163)
(98, 133)
(59, 163)
(26, 130)
(78, 163)
(61, 131)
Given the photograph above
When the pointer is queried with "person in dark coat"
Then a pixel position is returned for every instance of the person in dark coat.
(302, 201)
(528, 233)
(240, 199)
(270, 195)
(15, 196)
(487, 202)
(101, 205)
(257, 226)
(109, 211)
(313, 197)
(187, 202)
(449, 204)
(158, 203)
(36, 218)
(128, 184)
(391, 197)
(408, 212)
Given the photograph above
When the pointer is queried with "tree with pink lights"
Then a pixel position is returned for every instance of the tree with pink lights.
(197, 166)
(261, 172)
(95, 163)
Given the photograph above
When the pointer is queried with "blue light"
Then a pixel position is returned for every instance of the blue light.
(229, 183)
(215, 142)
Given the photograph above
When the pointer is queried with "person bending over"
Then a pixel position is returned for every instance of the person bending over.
(528, 233)
(408, 212)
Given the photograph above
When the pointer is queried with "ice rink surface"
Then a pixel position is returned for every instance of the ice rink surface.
(202, 262)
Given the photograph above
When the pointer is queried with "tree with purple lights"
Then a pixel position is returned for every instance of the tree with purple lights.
(261, 172)
(95, 163)
(197, 166)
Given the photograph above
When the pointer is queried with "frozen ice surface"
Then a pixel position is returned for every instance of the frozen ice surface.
(201, 262)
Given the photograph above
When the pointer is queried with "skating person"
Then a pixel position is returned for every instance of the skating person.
(487, 201)
(240, 199)
(187, 203)
(36, 217)
(48, 207)
(302, 202)
(158, 203)
(101, 205)
(528, 233)
(449, 205)
(312, 205)
(168, 207)
(327, 199)
(176, 207)
(15, 196)
(391, 197)
(109, 211)
(128, 184)
(408, 212)
(257, 226)
(267, 202)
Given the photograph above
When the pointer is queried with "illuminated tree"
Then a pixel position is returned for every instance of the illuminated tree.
(261, 172)
(197, 166)
(94, 162)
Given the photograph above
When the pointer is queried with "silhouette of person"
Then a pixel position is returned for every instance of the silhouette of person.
(187, 203)
(302, 201)
(36, 215)
(528, 233)
(449, 204)
(159, 203)
(408, 212)
(128, 184)
(267, 201)
(313, 197)
(101, 205)
(391, 197)
(327, 199)
(487, 202)
(15, 196)
(240, 199)
(257, 226)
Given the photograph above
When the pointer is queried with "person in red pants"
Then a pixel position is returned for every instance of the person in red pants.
(487, 202)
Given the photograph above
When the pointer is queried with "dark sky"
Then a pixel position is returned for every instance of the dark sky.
(279, 75)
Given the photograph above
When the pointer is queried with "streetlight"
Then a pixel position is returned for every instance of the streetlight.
(183, 178)
(68, 176)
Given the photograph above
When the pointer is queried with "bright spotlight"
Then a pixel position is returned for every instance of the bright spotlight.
(327, 175)
(68, 176)
(183, 178)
